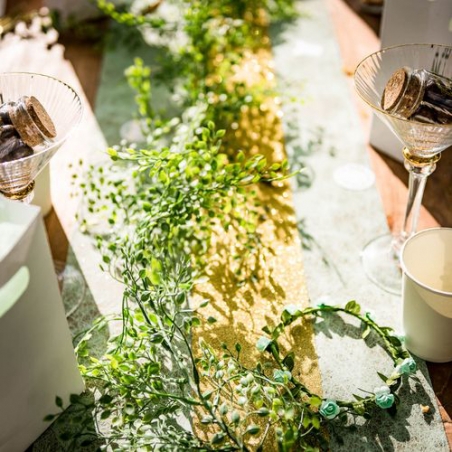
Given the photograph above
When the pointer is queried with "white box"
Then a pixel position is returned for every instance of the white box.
(409, 22)
(37, 361)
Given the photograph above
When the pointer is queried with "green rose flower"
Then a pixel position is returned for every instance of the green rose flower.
(383, 397)
(407, 366)
(329, 409)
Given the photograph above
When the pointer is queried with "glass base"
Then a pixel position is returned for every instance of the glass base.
(381, 264)
(72, 286)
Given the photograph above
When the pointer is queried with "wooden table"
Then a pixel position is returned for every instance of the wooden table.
(357, 35)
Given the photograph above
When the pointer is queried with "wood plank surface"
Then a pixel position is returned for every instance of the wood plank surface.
(357, 34)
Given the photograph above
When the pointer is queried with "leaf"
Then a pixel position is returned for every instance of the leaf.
(315, 422)
(65, 436)
(289, 361)
(306, 420)
(154, 276)
(207, 395)
(263, 343)
(105, 414)
(153, 368)
(289, 413)
(75, 398)
(366, 332)
(49, 418)
(147, 418)
(359, 408)
(163, 177)
(218, 438)
(147, 206)
(266, 329)
(292, 309)
(353, 307)
(156, 265)
(207, 420)
(315, 401)
(253, 429)
(106, 399)
(235, 417)
(282, 376)
(394, 341)
(59, 402)
(383, 377)
(113, 153)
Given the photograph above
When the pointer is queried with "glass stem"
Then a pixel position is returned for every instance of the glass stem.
(419, 169)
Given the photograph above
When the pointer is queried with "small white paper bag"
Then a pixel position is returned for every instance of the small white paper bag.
(37, 361)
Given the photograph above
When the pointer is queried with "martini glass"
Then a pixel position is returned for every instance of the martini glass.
(17, 177)
(422, 144)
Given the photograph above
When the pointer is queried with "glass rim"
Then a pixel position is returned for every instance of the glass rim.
(377, 107)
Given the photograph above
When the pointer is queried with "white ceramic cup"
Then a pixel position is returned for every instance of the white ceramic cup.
(426, 260)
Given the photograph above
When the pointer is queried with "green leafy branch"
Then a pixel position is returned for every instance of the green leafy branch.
(154, 210)
(393, 345)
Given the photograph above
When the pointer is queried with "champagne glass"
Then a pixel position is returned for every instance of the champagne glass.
(42, 111)
(423, 139)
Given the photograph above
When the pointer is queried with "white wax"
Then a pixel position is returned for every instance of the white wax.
(9, 233)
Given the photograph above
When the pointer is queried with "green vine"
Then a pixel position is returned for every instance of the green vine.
(394, 346)
(154, 212)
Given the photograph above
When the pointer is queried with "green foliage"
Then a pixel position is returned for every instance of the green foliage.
(396, 350)
(138, 77)
(153, 210)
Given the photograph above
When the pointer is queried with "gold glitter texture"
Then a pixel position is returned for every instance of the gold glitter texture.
(242, 310)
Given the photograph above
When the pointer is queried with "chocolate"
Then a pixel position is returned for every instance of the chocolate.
(7, 132)
(12, 146)
(4, 112)
(436, 105)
